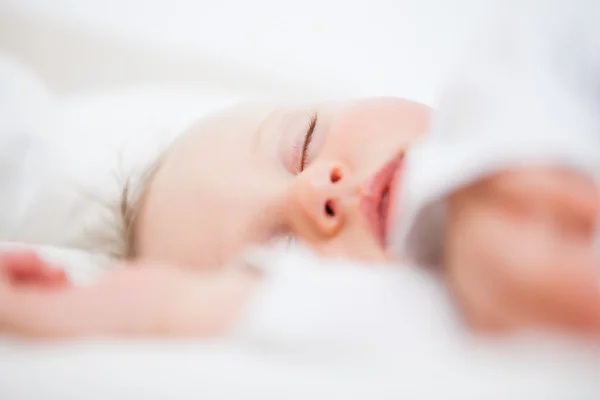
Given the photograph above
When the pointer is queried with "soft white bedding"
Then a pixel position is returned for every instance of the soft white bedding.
(410, 347)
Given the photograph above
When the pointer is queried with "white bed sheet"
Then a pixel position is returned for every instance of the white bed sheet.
(163, 370)
(430, 359)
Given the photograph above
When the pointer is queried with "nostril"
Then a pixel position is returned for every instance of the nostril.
(335, 175)
(329, 209)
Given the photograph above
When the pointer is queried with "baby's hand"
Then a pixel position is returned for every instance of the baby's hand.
(520, 254)
(27, 268)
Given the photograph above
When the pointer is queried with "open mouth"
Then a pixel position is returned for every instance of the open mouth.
(380, 194)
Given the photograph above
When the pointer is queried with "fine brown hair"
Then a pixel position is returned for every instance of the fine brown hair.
(131, 203)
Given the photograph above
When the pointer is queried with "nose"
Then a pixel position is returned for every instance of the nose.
(320, 198)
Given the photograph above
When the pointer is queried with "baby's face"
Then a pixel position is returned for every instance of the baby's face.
(255, 174)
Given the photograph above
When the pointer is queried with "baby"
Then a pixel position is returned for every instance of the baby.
(507, 205)
(325, 174)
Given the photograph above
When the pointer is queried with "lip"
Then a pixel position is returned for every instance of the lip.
(378, 212)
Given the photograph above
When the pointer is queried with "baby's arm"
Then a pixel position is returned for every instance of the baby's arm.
(141, 300)
(524, 107)
(290, 299)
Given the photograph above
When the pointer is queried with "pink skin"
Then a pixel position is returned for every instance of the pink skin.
(258, 195)
(144, 300)
(26, 268)
(232, 181)
(520, 252)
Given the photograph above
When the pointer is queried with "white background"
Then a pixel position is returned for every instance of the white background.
(352, 47)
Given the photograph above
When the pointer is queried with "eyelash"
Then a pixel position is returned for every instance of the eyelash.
(307, 141)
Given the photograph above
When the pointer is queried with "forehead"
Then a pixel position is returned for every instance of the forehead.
(238, 121)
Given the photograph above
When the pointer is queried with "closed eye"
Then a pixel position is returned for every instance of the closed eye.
(307, 141)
